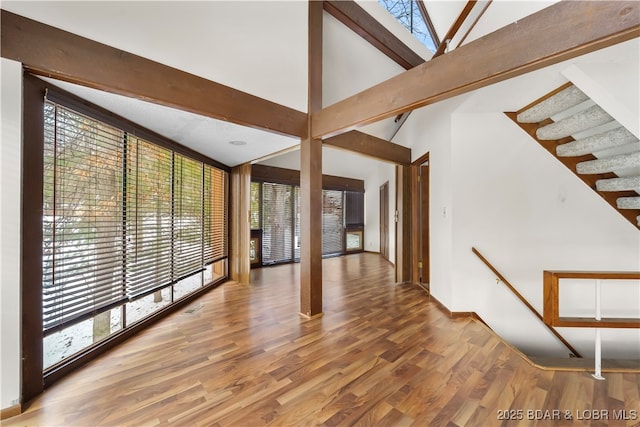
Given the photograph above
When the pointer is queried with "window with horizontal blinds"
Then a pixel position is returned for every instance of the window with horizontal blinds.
(276, 209)
(149, 217)
(254, 201)
(296, 223)
(215, 214)
(332, 222)
(187, 214)
(353, 209)
(123, 217)
(83, 217)
(277, 226)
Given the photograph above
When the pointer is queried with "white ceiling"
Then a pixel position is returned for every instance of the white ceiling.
(255, 46)
(443, 14)
(259, 47)
(207, 136)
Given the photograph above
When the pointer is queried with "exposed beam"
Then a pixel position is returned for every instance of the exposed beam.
(51, 52)
(455, 27)
(292, 177)
(441, 46)
(358, 20)
(371, 146)
(470, 22)
(562, 31)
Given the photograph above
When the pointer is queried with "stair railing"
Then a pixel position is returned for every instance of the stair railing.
(551, 318)
(502, 279)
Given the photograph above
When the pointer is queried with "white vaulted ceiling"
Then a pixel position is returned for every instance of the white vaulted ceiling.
(259, 47)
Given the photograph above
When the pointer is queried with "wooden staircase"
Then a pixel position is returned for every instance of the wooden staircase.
(588, 141)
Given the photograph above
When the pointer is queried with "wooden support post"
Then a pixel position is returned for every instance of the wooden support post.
(240, 227)
(311, 180)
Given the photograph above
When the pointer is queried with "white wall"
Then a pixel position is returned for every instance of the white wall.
(10, 200)
(380, 174)
(428, 130)
(350, 63)
(601, 82)
(494, 188)
(527, 213)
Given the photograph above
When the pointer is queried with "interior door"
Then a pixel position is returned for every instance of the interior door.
(423, 260)
(384, 220)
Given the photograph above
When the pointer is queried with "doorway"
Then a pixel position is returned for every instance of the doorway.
(384, 220)
(420, 229)
(423, 207)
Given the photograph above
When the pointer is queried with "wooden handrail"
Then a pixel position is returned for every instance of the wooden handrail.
(525, 302)
(552, 300)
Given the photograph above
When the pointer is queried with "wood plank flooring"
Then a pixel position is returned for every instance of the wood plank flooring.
(382, 355)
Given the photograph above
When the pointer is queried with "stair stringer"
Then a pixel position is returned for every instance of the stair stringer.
(611, 197)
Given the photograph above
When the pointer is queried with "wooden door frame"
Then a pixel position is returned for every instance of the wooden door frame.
(415, 220)
(382, 208)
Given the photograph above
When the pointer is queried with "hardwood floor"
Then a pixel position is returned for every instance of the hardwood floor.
(382, 355)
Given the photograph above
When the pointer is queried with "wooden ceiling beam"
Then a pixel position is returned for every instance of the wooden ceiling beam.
(466, 10)
(51, 52)
(560, 32)
(440, 46)
(359, 21)
(371, 146)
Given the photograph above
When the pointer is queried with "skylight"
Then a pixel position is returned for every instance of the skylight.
(413, 16)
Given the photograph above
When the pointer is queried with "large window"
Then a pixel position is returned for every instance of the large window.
(412, 14)
(354, 220)
(128, 228)
(332, 222)
(275, 221)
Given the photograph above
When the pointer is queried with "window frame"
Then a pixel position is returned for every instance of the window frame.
(35, 90)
